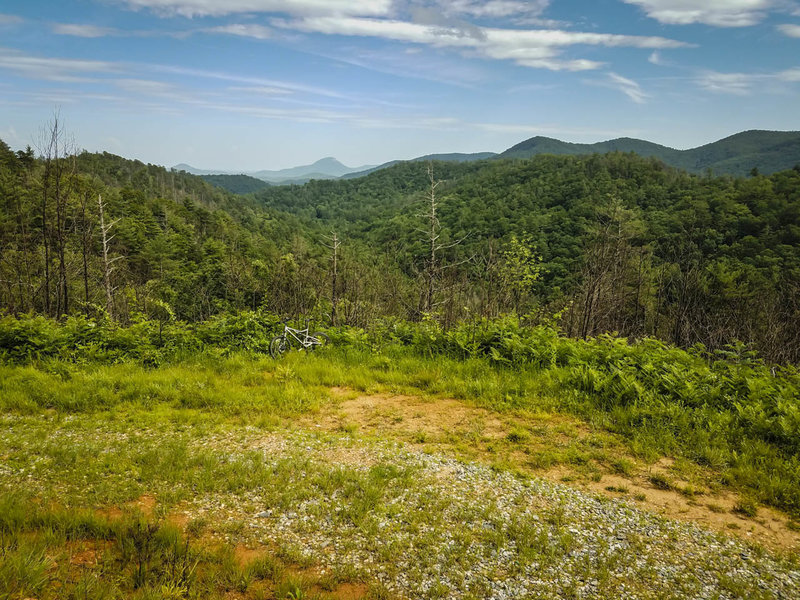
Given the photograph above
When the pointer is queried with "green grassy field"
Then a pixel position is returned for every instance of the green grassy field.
(239, 476)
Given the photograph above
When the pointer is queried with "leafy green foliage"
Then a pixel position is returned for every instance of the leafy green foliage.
(236, 184)
(725, 409)
(766, 151)
(622, 244)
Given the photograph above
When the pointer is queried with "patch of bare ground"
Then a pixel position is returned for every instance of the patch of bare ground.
(314, 578)
(144, 504)
(521, 440)
(86, 553)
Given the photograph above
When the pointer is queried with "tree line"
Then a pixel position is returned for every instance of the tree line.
(612, 243)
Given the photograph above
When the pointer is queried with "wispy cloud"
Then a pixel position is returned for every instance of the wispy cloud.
(80, 30)
(719, 13)
(436, 23)
(261, 90)
(627, 86)
(743, 84)
(250, 30)
(218, 8)
(51, 69)
(536, 48)
(10, 19)
(789, 29)
(495, 8)
(10, 135)
(248, 80)
(410, 65)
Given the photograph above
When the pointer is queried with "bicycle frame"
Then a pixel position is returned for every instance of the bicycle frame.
(306, 340)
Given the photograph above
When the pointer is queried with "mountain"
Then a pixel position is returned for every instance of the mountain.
(237, 184)
(325, 168)
(696, 259)
(544, 145)
(193, 171)
(450, 157)
(739, 154)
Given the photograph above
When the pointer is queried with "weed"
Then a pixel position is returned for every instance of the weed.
(623, 466)
(689, 491)
(747, 507)
(517, 436)
(660, 482)
(292, 588)
(349, 428)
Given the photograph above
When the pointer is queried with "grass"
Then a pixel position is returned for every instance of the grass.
(211, 430)
(248, 389)
(62, 553)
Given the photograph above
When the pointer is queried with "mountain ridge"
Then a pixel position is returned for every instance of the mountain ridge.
(324, 168)
(737, 154)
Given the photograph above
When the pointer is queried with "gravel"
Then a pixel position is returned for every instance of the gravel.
(428, 526)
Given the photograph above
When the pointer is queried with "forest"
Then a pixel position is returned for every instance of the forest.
(595, 244)
(555, 377)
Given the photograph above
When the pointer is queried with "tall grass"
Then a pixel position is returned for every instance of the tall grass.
(726, 410)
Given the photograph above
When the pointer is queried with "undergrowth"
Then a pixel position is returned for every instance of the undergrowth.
(726, 410)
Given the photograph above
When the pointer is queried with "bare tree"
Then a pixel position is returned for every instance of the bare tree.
(56, 148)
(334, 244)
(107, 268)
(606, 269)
(86, 241)
(433, 232)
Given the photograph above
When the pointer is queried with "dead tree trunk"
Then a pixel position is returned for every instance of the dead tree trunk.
(335, 242)
(107, 268)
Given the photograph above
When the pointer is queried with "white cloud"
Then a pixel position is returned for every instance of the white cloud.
(628, 87)
(789, 75)
(218, 8)
(622, 84)
(720, 13)
(146, 87)
(85, 31)
(495, 8)
(790, 29)
(249, 81)
(743, 84)
(10, 135)
(51, 69)
(261, 90)
(259, 32)
(10, 19)
(538, 48)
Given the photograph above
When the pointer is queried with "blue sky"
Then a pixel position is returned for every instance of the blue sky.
(267, 84)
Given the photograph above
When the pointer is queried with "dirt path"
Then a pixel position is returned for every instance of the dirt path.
(554, 447)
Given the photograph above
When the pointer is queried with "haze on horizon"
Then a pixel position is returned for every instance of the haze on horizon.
(261, 84)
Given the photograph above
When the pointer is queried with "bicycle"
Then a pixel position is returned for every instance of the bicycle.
(280, 344)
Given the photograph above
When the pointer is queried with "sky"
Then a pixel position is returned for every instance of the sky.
(243, 85)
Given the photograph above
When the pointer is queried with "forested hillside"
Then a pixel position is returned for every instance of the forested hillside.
(613, 243)
(238, 184)
(738, 154)
(176, 246)
(626, 244)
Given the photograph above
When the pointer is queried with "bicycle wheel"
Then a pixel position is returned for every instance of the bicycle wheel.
(318, 340)
(278, 346)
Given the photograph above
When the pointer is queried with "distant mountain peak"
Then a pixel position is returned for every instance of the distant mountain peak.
(329, 163)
